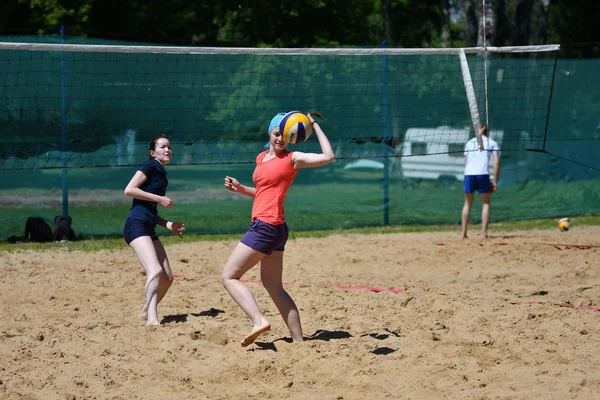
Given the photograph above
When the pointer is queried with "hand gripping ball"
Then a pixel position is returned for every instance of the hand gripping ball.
(295, 127)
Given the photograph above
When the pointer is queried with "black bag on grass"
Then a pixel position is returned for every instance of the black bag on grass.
(62, 228)
(37, 230)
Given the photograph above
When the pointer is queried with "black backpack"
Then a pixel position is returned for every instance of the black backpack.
(62, 228)
(37, 230)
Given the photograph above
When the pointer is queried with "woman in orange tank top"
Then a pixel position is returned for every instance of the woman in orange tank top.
(267, 235)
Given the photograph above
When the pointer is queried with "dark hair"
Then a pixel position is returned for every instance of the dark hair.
(484, 130)
(153, 143)
(317, 114)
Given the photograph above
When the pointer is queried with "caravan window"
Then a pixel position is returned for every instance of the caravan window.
(418, 148)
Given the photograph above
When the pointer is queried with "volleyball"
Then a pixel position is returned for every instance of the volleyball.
(295, 127)
(564, 224)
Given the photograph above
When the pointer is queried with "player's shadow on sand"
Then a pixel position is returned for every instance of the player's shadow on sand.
(178, 318)
(329, 335)
(382, 351)
(321, 335)
(318, 335)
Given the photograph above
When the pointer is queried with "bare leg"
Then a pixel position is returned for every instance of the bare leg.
(466, 212)
(241, 260)
(486, 198)
(165, 279)
(271, 272)
(146, 253)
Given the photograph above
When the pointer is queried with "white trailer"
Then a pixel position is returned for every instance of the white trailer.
(437, 153)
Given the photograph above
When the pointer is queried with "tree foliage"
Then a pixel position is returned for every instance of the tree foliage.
(311, 23)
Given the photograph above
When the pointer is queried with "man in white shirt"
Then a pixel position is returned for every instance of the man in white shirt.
(477, 177)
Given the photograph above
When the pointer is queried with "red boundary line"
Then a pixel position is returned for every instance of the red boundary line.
(581, 246)
(556, 304)
(357, 287)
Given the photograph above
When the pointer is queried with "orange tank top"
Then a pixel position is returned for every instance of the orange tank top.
(272, 179)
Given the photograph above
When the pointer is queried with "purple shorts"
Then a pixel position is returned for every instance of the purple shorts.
(481, 183)
(266, 238)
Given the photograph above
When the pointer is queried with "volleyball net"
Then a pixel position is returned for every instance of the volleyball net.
(76, 105)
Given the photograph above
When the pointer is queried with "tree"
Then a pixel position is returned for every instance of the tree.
(14, 18)
(523, 14)
(414, 23)
(47, 16)
(311, 23)
(574, 21)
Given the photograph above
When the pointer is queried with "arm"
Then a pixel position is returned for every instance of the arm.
(133, 190)
(233, 185)
(176, 227)
(496, 169)
(312, 160)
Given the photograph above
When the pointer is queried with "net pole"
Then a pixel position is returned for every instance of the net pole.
(471, 98)
(386, 160)
(63, 128)
(485, 71)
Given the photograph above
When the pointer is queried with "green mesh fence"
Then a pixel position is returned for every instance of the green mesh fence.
(76, 124)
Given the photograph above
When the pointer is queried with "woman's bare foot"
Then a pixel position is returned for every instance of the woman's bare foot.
(143, 315)
(256, 332)
(152, 323)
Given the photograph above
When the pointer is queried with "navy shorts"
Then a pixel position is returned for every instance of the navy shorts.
(481, 183)
(266, 238)
(134, 229)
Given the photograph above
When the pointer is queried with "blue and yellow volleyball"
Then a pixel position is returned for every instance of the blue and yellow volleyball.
(564, 224)
(295, 127)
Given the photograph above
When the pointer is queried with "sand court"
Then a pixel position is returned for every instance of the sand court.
(414, 316)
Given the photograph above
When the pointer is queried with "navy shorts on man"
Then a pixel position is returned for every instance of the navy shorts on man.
(265, 237)
(134, 229)
(481, 183)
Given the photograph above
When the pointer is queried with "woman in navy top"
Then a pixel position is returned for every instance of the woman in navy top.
(148, 188)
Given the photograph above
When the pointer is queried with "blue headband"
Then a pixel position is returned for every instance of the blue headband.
(275, 122)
